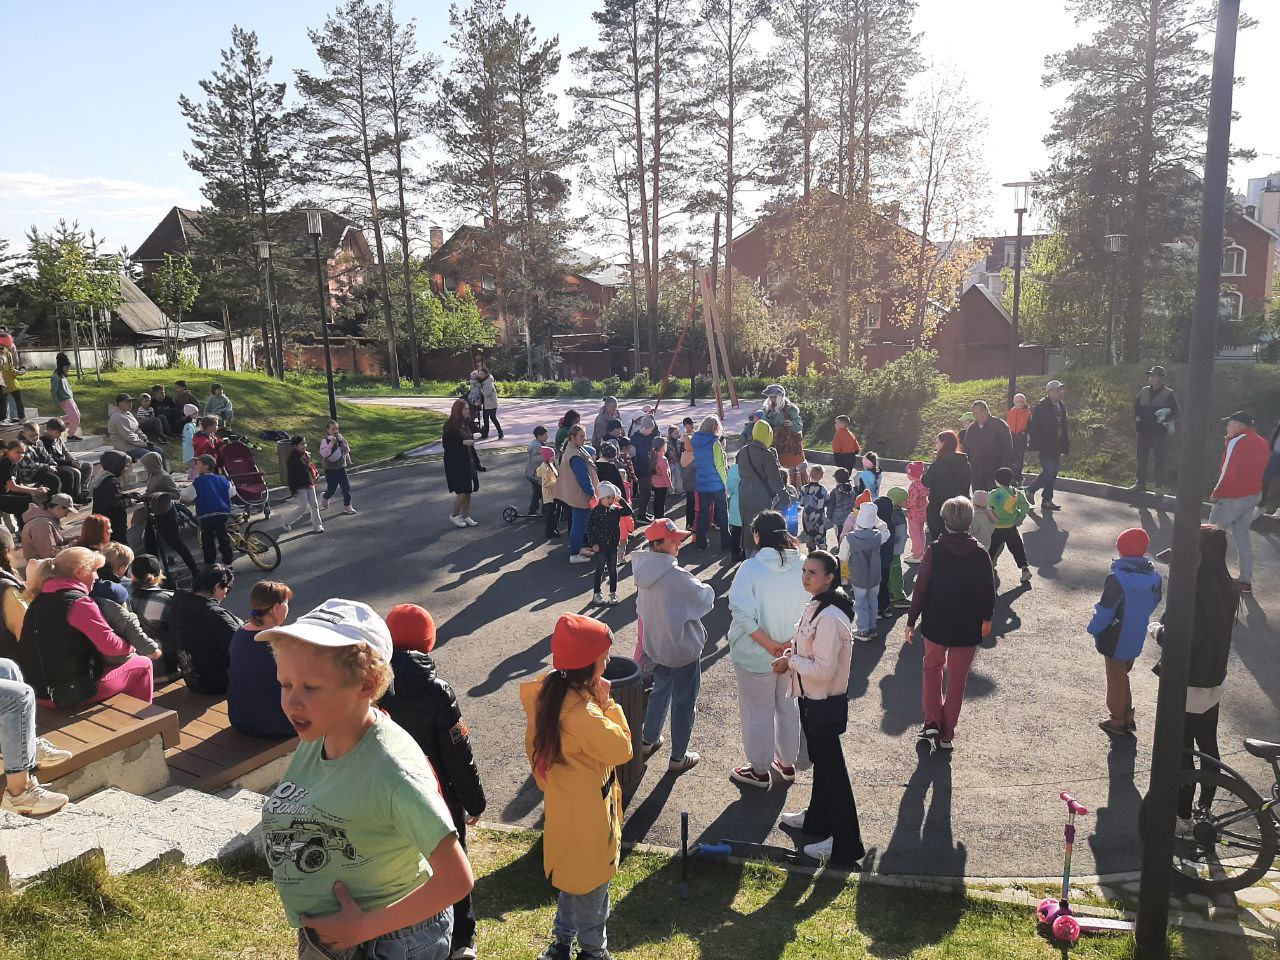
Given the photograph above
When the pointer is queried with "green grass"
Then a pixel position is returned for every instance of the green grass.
(541, 389)
(261, 403)
(1100, 403)
(752, 912)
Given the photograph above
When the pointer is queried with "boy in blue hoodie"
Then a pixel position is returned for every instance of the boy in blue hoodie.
(1119, 626)
(861, 551)
(212, 492)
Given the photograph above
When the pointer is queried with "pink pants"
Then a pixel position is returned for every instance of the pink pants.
(940, 712)
(71, 414)
(915, 527)
(134, 677)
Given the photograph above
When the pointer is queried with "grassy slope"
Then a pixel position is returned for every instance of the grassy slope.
(756, 912)
(1100, 402)
(260, 404)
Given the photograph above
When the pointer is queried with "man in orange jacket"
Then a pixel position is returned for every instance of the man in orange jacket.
(1239, 488)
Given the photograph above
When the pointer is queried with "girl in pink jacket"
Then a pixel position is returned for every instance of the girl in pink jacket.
(917, 509)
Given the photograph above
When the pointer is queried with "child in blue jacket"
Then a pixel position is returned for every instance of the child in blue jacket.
(861, 551)
(868, 477)
(1130, 596)
(212, 493)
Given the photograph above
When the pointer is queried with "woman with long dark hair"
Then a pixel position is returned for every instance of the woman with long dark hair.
(1217, 601)
(948, 476)
(461, 464)
(766, 600)
(818, 663)
(567, 422)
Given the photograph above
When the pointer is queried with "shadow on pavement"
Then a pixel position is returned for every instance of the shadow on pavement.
(1114, 840)
(1045, 544)
(922, 840)
(900, 690)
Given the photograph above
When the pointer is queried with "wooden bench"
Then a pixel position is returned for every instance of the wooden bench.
(98, 733)
(209, 754)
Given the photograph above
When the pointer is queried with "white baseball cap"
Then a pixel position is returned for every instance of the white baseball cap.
(337, 623)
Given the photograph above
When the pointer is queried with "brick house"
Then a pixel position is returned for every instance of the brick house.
(1250, 266)
(473, 260)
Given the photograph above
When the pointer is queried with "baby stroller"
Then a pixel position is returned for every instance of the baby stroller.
(242, 470)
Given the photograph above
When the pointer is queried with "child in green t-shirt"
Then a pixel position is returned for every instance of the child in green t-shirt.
(1009, 506)
(361, 844)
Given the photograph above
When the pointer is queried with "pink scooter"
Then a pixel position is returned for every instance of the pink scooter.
(1054, 913)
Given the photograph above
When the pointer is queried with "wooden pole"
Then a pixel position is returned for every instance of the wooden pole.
(718, 327)
(708, 308)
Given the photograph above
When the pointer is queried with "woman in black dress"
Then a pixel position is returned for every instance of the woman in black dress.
(948, 476)
(461, 465)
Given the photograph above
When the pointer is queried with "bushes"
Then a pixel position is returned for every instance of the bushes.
(639, 385)
(610, 386)
(583, 387)
(548, 388)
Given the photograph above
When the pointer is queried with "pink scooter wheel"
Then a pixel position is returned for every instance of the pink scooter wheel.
(1047, 911)
(1066, 928)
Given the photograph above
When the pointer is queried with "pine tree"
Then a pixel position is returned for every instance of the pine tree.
(346, 127)
(242, 140)
(405, 77)
(1128, 145)
(804, 55)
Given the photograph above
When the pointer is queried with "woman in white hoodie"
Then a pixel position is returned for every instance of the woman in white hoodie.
(766, 599)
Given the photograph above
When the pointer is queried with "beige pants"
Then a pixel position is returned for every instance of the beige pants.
(1119, 696)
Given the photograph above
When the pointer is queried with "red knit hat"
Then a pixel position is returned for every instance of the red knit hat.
(412, 628)
(1133, 542)
(863, 497)
(578, 641)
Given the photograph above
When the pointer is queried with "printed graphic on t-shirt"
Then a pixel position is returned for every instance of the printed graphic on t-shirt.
(311, 841)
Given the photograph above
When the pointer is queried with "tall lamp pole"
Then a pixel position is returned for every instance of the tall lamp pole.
(1171, 702)
(1021, 204)
(1116, 243)
(315, 228)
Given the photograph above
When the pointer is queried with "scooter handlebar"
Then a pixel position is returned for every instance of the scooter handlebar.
(1073, 805)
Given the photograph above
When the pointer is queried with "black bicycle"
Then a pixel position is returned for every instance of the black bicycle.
(262, 549)
(1230, 841)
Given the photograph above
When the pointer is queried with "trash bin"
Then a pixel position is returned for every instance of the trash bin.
(625, 678)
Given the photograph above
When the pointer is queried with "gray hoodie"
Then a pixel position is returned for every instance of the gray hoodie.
(671, 603)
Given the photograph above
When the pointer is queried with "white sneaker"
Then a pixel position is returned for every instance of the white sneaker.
(1258, 513)
(820, 851)
(318, 528)
(47, 754)
(687, 762)
(456, 521)
(1026, 574)
(598, 598)
(324, 503)
(794, 820)
(33, 801)
(471, 522)
(287, 525)
(348, 509)
(579, 558)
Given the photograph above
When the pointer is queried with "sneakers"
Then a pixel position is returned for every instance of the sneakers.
(1026, 575)
(794, 820)
(1049, 505)
(747, 775)
(687, 762)
(467, 952)
(349, 509)
(647, 749)
(556, 951)
(613, 599)
(47, 754)
(946, 746)
(470, 522)
(598, 598)
(787, 774)
(318, 528)
(820, 851)
(34, 801)
(458, 522)
(1113, 730)
(927, 732)
(865, 636)
(324, 503)
(579, 558)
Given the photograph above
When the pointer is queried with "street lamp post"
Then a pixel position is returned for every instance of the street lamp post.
(1116, 243)
(315, 228)
(1021, 204)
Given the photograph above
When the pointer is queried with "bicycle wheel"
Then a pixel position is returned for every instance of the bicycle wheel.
(262, 550)
(509, 514)
(1232, 841)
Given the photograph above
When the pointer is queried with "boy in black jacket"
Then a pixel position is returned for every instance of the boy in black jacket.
(425, 706)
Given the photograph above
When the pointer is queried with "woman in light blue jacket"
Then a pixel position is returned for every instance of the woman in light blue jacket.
(766, 600)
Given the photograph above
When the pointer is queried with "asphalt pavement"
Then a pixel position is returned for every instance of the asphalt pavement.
(1027, 731)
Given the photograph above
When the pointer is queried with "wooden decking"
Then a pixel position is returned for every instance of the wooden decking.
(95, 732)
(207, 754)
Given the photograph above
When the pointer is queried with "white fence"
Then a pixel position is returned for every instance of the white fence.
(207, 354)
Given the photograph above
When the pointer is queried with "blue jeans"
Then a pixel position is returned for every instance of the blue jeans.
(428, 940)
(674, 689)
(583, 914)
(137, 453)
(333, 479)
(708, 500)
(577, 529)
(1049, 467)
(1235, 516)
(866, 606)
(17, 719)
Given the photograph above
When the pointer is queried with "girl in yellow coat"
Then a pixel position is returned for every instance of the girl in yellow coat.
(575, 737)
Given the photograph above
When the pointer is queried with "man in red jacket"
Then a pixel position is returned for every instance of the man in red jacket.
(1239, 488)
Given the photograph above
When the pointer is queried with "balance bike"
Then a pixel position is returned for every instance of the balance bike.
(1054, 913)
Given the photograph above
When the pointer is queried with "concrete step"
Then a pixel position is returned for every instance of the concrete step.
(31, 849)
(127, 845)
(88, 442)
(203, 827)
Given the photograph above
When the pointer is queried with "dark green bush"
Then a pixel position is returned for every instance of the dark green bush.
(548, 388)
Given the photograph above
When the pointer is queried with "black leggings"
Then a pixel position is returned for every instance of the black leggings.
(607, 559)
(551, 510)
(165, 525)
(832, 811)
(535, 496)
(659, 502)
(1199, 732)
(490, 415)
(1002, 537)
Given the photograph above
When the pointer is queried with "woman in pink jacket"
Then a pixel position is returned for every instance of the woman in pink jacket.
(67, 649)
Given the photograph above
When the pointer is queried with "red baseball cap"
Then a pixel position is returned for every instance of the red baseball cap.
(663, 529)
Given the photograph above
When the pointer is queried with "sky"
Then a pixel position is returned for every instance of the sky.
(90, 128)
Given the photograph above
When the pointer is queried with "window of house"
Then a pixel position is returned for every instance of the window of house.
(488, 283)
(872, 315)
(1233, 260)
(1231, 305)
(1011, 254)
(451, 283)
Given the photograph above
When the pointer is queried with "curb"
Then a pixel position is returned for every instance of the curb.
(955, 886)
